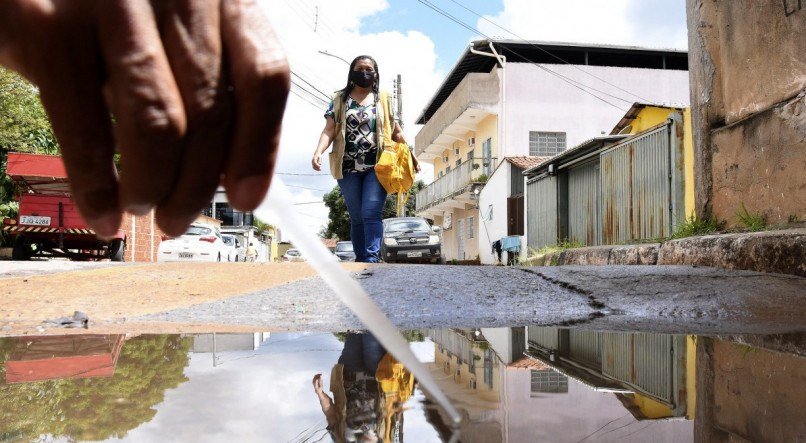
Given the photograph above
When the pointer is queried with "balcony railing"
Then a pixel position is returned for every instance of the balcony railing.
(454, 182)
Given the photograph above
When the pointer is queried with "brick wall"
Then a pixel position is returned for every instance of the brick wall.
(141, 244)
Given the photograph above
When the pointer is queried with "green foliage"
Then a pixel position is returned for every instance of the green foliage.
(338, 225)
(694, 227)
(753, 222)
(24, 125)
(481, 179)
(261, 225)
(97, 408)
(7, 210)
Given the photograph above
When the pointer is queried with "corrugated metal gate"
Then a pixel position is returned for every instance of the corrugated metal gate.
(542, 220)
(639, 200)
(545, 337)
(584, 204)
(645, 361)
(583, 346)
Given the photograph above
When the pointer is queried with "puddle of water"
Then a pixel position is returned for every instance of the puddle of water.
(509, 384)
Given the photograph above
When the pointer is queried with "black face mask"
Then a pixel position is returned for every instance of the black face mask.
(364, 79)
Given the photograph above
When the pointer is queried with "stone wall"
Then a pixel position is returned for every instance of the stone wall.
(747, 66)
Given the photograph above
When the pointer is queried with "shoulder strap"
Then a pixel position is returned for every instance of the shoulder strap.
(338, 107)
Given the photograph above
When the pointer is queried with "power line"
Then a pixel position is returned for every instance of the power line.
(303, 174)
(544, 50)
(305, 99)
(573, 83)
(305, 187)
(327, 97)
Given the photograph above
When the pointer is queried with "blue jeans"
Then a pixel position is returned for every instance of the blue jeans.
(365, 198)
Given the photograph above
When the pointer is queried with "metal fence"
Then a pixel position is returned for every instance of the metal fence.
(452, 182)
(541, 223)
(545, 337)
(584, 200)
(640, 182)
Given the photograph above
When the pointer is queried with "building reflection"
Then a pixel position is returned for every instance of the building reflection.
(33, 359)
(555, 384)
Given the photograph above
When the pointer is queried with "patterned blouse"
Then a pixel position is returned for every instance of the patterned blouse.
(361, 149)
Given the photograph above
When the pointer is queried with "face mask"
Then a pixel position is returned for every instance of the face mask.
(362, 78)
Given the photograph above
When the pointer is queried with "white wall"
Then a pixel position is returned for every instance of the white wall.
(539, 101)
(494, 193)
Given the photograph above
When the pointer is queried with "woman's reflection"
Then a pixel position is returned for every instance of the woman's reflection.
(369, 388)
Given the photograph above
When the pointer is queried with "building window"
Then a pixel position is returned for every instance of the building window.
(490, 213)
(458, 161)
(440, 174)
(447, 170)
(546, 144)
(470, 227)
(470, 155)
(548, 381)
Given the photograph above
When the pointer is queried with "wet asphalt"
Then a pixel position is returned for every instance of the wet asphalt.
(670, 299)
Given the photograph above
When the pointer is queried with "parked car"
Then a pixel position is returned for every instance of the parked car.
(293, 255)
(233, 247)
(201, 242)
(344, 251)
(410, 239)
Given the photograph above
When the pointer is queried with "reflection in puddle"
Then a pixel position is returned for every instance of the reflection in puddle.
(511, 385)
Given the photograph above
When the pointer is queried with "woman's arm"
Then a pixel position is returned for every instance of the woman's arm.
(325, 402)
(397, 136)
(324, 141)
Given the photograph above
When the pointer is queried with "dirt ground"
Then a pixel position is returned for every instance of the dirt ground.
(112, 294)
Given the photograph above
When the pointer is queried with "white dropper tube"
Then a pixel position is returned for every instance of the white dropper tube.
(277, 206)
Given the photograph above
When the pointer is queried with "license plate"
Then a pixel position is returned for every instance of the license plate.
(414, 254)
(34, 220)
(185, 255)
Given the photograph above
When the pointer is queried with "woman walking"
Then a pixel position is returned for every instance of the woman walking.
(360, 124)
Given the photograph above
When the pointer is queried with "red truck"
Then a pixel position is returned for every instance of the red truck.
(48, 224)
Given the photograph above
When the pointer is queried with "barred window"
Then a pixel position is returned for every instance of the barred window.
(546, 143)
(470, 227)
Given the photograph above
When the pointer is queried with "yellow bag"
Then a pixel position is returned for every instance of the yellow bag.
(395, 171)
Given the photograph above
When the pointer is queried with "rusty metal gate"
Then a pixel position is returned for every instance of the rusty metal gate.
(544, 337)
(541, 221)
(647, 362)
(584, 204)
(642, 186)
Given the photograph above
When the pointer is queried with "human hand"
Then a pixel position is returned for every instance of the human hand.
(316, 162)
(317, 383)
(186, 117)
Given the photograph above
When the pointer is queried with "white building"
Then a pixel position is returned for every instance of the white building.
(516, 98)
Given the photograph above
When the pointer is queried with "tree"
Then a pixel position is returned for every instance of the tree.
(96, 408)
(338, 224)
(24, 125)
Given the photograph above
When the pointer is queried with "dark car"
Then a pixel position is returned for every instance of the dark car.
(344, 251)
(410, 239)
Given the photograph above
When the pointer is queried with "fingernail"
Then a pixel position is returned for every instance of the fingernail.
(249, 192)
(175, 225)
(106, 226)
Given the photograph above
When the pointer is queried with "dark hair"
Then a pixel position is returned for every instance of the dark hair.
(350, 85)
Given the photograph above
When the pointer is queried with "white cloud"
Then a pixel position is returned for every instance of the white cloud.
(337, 27)
(618, 22)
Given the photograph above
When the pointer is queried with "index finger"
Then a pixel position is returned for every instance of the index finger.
(261, 77)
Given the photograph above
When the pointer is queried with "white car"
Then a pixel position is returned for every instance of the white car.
(232, 246)
(201, 242)
(293, 255)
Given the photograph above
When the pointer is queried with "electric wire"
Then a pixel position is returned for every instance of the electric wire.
(555, 56)
(573, 83)
(327, 97)
(293, 91)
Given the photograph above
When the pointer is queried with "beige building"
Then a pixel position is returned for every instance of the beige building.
(518, 98)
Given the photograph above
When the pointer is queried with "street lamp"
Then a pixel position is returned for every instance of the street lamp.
(334, 56)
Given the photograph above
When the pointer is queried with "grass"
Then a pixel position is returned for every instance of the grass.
(754, 222)
(553, 249)
(694, 227)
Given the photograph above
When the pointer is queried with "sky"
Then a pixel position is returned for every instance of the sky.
(411, 38)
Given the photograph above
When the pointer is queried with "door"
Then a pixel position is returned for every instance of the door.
(515, 215)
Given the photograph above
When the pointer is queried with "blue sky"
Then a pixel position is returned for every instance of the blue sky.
(449, 38)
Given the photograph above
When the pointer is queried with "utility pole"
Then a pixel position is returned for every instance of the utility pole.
(399, 89)
(316, 20)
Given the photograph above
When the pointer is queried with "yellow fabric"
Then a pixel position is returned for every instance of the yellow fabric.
(395, 172)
